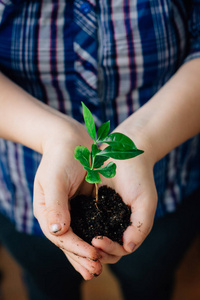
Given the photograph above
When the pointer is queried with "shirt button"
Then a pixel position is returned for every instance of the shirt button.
(85, 8)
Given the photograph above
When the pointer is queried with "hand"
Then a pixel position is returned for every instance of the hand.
(135, 183)
(58, 178)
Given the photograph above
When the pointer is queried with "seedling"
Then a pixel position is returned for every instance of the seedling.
(119, 147)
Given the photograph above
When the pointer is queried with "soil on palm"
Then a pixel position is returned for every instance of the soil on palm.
(110, 217)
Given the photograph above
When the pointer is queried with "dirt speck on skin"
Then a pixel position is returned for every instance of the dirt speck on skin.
(139, 225)
(110, 218)
(99, 237)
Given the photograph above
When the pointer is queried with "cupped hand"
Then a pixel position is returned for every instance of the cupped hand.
(58, 178)
(134, 182)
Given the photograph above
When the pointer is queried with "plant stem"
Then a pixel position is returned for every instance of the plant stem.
(97, 195)
(92, 161)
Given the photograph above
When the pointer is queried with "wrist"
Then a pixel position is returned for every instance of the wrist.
(140, 139)
(65, 132)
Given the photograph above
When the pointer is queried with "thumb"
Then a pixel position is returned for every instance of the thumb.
(57, 213)
(135, 234)
(51, 208)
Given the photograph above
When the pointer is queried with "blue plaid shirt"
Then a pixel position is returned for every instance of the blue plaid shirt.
(114, 56)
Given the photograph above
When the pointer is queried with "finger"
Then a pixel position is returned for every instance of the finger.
(135, 234)
(108, 246)
(51, 204)
(80, 269)
(93, 267)
(82, 253)
(108, 258)
(69, 241)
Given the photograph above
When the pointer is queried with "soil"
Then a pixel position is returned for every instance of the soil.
(110, 217)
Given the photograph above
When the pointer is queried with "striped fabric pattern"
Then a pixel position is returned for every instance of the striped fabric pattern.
(112, 54)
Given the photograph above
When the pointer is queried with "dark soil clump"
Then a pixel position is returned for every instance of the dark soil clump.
(110, 219)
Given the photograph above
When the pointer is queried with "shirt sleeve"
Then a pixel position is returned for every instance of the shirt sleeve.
(194, 31)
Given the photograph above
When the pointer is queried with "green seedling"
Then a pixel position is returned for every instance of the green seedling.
(119, 147)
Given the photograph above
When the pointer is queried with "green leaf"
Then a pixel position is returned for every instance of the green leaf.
(89, 121)
(93, 177)
(108, 171)
(118, 154)
(82, 154)
(119, 141)
(95, 150)
(98, 160)
(103, 131)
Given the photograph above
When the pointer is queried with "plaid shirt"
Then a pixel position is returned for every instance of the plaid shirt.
(112, 54)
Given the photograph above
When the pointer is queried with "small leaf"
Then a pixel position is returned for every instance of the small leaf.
(82, 154)
(108, 171)
(99, 160)
(95, 150)
(93, 177)
(103, 131)
(119, 141)
(118, 154)
(89, 121)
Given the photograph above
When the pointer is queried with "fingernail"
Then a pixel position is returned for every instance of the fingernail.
(95, 275)
(131, 246)
(55, 228)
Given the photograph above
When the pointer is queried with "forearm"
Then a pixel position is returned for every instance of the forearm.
(26, 120)
(172, 116)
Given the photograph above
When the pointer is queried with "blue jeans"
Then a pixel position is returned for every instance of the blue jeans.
(147, 274)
